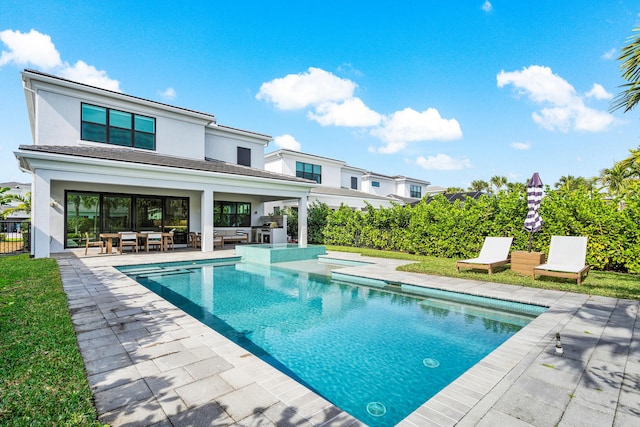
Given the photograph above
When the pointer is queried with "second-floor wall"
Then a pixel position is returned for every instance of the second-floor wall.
(63, 112)
(235, 146)
(324, 171)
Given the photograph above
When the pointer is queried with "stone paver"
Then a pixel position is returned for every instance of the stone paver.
(150, 364)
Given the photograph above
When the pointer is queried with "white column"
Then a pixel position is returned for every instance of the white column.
(206, 219)
(40, 221)
(302, 221)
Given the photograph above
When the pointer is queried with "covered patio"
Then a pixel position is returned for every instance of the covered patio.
(111, 190)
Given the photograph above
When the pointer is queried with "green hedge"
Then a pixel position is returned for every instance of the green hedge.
(457, 230)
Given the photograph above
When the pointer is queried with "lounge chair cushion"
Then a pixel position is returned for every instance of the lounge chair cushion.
(494, 252)
(567, 256)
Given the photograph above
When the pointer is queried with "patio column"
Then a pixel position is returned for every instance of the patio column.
(206, 219)
(302, 221)
(40, 215)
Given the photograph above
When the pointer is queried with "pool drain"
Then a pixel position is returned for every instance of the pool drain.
(376, 409)
(430, 363)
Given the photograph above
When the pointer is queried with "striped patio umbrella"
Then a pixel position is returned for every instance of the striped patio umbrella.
(533, 222)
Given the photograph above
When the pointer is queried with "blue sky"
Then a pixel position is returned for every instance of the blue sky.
(448, 92)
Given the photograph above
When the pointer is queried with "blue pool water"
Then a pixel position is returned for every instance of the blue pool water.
(376, 354)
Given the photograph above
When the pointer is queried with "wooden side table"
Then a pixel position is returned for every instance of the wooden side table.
(524, 262)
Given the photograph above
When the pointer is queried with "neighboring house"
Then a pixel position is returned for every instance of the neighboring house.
(104, 161)
(13, 221)
(408, 190)
(340, 183)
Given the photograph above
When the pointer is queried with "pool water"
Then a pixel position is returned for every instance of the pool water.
(375, 354)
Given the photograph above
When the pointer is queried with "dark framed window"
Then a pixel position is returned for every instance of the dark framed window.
(354, 183)
(415, 191)
(110, 126)
(244, 156)
(375, 184)
(97, 213)
(231, 214)
(309, 171)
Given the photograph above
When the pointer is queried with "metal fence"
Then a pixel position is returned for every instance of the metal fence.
(14, 237)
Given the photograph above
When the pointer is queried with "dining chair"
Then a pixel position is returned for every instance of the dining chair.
(97, 243)
(128, 238)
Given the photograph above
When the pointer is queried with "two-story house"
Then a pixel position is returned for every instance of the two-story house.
(102, 161)
(340, 183)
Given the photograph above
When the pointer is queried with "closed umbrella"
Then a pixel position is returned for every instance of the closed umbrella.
(533, 222)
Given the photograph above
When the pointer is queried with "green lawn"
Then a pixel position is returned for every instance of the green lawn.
(607, 284)
(42, 377)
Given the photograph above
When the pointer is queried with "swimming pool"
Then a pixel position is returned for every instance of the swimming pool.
(375, 354)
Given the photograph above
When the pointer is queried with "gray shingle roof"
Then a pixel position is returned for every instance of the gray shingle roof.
(150, 158)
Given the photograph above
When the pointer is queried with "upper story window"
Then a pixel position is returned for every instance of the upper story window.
(100, 124)
(415, 191)
(354, 182)
(375, 183)
(309, 171)
(244, 156)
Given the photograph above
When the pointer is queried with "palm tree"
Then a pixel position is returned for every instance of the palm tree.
(630, 67)
(4, 198)
(24, 203)
(615, 179)
(453, 190)
(572, 183)
(479, 185)
(520, 187)
(498, 182)
(632, 163)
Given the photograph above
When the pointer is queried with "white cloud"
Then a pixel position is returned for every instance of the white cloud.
(443, 162)
(351, 112)
(37, 50)
(487, 6)
(32, 48)
(314, 87)
(540, 84)
(610, 54)
(521, 145)
(598, 92)
(563, 109)
(169, 93)
(287, 142)
(88, 74)
(590, 120)
(410, 125)
(331, 102)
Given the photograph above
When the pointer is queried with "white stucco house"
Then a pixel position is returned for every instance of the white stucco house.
(340, 183)
(102, 161)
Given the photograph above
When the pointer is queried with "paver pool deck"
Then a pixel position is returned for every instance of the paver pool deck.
(150, 364)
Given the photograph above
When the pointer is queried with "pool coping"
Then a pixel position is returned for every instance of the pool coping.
(148, 363)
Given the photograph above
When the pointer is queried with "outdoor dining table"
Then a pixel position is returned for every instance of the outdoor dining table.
(109, 238)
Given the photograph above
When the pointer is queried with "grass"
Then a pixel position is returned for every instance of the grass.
(608, 284)
(42, 377)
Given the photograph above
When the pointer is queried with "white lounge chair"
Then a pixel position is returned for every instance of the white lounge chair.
(567, 255)
(494, 253)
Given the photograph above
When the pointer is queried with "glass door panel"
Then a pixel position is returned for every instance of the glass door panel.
(148, 213)
(117, 213)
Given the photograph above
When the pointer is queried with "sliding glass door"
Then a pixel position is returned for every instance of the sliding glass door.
(95, 213)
